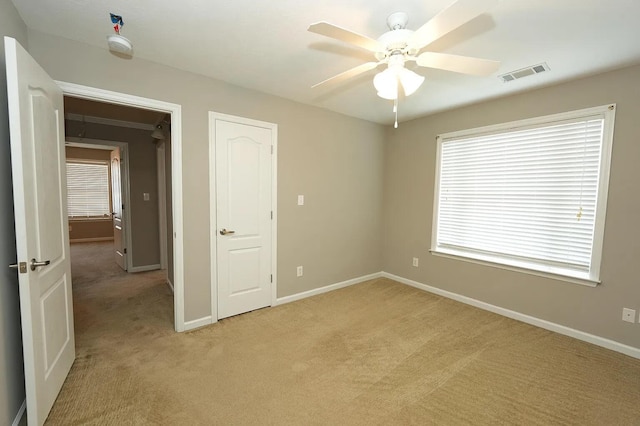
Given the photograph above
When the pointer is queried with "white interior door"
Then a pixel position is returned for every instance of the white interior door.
(244, 212)
(119, 245)
(42, 228)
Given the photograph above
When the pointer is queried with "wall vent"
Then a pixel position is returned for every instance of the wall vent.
(524, 72)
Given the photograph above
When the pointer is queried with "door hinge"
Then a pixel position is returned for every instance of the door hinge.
(271, 277)
(125, 251)
(123, 207)
(271, 149)
(271, 214)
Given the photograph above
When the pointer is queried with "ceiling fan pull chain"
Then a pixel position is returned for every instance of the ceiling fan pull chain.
(395, 109)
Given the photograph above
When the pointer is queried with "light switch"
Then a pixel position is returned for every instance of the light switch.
(145, 196)
(301, 200)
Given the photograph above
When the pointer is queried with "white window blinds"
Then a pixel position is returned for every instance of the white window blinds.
(87, 189)
(526, 196)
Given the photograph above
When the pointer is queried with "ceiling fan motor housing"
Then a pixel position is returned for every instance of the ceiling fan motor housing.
(394, 40)
(397, 21)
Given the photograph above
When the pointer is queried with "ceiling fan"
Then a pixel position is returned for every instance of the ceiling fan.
(400, 45)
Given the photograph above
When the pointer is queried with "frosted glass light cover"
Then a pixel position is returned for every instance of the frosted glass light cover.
(386, 83)
(410, 81)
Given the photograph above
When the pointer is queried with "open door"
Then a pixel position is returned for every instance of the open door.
(42, 228)
(119, 248)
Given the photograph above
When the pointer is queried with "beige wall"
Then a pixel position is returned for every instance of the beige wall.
(11, 369)
(145, 215)
(335, 161)
(408, 195)
(90, 230)
(77, 153)
(144, 225)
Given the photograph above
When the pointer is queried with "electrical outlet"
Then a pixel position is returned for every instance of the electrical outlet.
(301, 200)
(299, 271)
(628, 315)
(416, 261)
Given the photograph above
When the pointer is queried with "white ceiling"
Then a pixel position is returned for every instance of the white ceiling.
(264, 45)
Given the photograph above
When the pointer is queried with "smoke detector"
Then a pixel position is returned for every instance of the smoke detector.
(119, 44)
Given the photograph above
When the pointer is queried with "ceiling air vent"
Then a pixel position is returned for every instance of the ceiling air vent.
(524, 72)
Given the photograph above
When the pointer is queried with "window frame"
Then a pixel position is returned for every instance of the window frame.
(590, 278)
(106, 217)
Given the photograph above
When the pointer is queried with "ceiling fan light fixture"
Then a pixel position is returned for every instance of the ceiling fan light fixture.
(410, 81)
(386, 82)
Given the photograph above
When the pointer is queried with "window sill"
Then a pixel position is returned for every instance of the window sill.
(578, 278)
(89, 219)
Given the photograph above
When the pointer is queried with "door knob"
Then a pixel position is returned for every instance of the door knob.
(36, 263)
(223, 231)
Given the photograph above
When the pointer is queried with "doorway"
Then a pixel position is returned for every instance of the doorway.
(98, 194)
(174, 175)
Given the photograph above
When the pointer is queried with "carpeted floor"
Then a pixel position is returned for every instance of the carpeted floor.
(374, 353)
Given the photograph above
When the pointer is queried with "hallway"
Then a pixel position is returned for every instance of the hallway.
(106, 298)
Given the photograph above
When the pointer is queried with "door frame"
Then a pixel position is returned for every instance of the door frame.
(213, 229)
(101, 95)
(161, 176)
(124, 148)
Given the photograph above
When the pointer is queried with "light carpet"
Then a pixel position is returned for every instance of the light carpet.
(374, 353)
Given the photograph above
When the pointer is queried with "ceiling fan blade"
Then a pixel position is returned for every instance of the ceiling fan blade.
(348, 74)
(461, 64)
(459, 13)
(330, 30)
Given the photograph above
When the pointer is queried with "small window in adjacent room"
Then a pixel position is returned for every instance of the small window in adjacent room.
(529, 195)
(88, 190)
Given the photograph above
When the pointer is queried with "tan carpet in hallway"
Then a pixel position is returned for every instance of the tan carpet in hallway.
(374, 353)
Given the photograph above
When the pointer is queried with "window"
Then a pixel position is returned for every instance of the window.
(529, 195)
(88, 189)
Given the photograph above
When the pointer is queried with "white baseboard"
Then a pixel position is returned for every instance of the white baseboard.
(21, 412)
(325, 289)
(551, 326)
(170, 284)
(143, 268)
(200, 322)
(90, 240)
